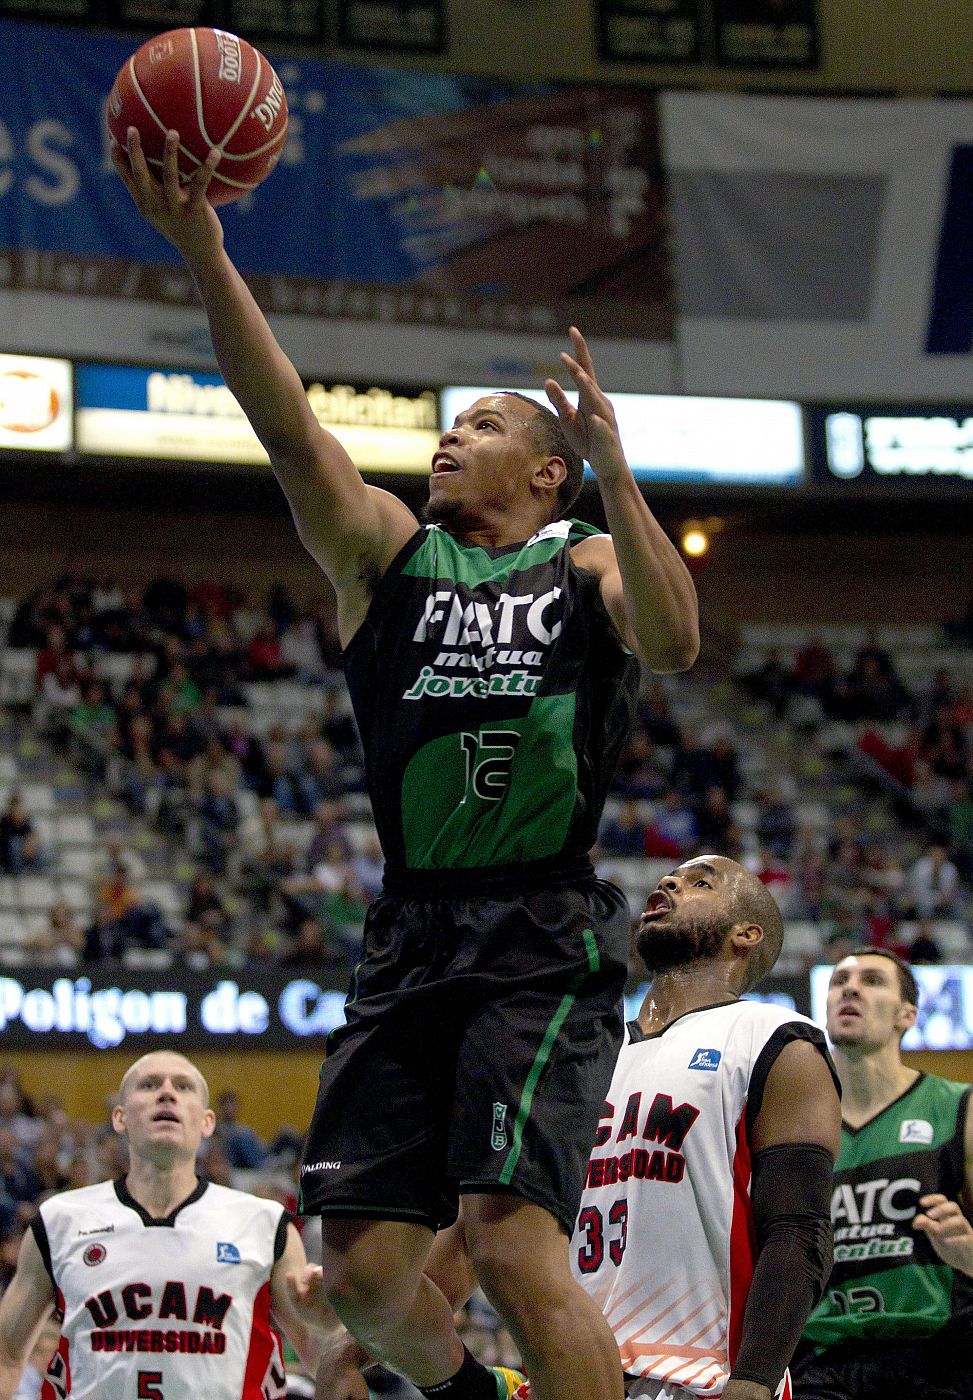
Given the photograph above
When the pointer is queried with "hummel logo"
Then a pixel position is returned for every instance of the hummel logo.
(916, 1130)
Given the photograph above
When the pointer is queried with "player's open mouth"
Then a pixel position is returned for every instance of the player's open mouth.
(165, 1116)
(659, 903)
(441, 463)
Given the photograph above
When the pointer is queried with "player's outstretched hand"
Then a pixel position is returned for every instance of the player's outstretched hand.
(745, 1390)
(339, 1376)
(590, 428)
(948, 1231)
(180, 212)
(308, 1299)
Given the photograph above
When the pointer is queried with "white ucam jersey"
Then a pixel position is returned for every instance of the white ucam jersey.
(665, 1238)
(173, 1309)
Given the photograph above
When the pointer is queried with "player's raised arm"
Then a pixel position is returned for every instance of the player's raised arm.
(27, 1303)
(351, 529)
(645, 585)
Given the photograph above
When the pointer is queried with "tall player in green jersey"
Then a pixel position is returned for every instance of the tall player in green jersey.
(897, 1314)
(492, 658)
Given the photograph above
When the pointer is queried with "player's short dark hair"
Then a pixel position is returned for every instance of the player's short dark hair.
(549, 437)
(908, 986)
(754, 904)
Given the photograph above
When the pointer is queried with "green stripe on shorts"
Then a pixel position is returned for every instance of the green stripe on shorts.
(543, 1055)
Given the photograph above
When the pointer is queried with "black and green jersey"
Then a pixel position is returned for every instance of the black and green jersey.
(888, 1282)
(492, 699)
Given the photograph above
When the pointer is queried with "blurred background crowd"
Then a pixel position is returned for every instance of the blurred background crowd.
(181, 786)
(181, 779)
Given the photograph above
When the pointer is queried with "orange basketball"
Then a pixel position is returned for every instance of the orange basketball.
(215, 89)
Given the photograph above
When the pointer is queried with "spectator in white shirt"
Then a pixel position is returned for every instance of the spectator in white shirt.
(934, 885)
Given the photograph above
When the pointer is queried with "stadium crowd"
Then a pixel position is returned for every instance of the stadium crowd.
(214, 741)
(221, 726)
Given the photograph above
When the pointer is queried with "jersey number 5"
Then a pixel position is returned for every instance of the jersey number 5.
(150, 1385)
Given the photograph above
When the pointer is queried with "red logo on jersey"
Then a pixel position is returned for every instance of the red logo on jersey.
(94, 1254)
(664, 1123)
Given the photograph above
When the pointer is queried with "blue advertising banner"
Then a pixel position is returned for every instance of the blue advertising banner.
(139, 412)
(250, 1008)
(400, 196)
(112, 1005)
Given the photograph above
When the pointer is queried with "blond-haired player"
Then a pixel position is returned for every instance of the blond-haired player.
(165, 1282)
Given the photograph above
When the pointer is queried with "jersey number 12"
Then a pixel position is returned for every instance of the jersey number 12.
(489, 755)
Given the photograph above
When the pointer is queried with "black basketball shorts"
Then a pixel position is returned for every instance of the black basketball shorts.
(936, 1368)
(480, 1039)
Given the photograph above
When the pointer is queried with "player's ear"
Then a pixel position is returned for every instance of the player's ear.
(209, 1123)
(747, 937)
(118, 1118)
(550, 473)
(907, 1017)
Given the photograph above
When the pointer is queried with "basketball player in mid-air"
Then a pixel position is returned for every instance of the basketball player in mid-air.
(704, 1233)
(166, 1283)
(492, 659)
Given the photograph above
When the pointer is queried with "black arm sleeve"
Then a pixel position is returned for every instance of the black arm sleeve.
(39, 1230)
(791, 1193)
(280, 1238)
